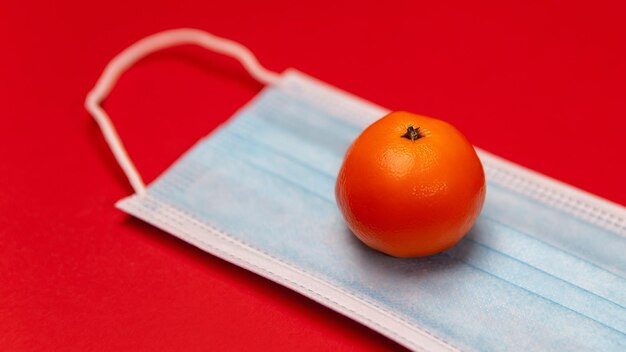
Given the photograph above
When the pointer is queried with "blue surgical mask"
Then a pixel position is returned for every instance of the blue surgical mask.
(544, 267)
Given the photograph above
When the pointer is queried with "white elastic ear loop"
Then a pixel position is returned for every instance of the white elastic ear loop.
(139, 50)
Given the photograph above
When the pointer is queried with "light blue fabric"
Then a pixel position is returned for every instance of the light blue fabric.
(527, 276)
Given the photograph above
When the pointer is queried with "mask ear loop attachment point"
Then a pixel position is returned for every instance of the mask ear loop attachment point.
(144, 47)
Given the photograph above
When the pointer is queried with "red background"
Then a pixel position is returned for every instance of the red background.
(542, 83)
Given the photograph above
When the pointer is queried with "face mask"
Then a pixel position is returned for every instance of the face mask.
(544, 267)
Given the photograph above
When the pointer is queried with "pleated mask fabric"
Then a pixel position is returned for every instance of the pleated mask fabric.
(543, 268)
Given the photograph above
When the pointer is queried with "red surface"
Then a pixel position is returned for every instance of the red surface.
(539, 82)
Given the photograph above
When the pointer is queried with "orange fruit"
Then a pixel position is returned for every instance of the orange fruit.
(410, 185)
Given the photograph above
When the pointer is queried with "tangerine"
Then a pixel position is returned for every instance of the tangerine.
(410, 185)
